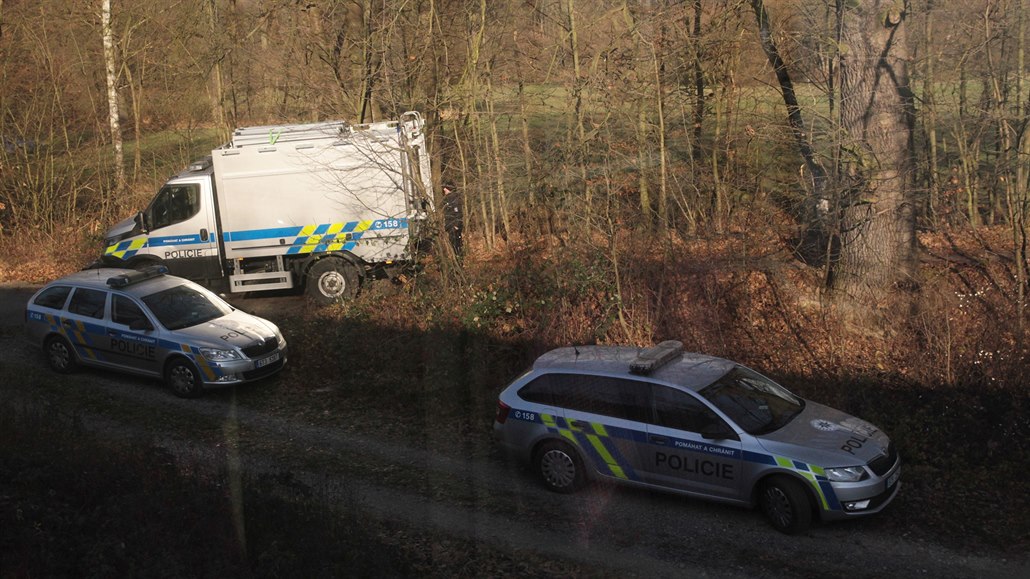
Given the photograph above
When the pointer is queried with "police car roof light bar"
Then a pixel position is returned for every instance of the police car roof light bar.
(655, 357)
(149, 272)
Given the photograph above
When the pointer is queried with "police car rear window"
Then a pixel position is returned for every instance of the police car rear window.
(53, 297)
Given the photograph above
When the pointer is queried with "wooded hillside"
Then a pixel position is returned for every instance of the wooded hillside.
(832, 132)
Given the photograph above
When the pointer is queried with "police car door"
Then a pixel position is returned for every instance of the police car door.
(690, 448)
(83, 325)
(605, 416)
(181, 224)
(132, 338)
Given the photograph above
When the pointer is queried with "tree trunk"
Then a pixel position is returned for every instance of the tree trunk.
(1019, 211)
(932, 170)
(878, 225)
(577, 104)
(699, 74)
(217, 88)
(112, 95)
(815, 245)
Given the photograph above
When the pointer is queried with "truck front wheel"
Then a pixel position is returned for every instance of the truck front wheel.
(331, 280)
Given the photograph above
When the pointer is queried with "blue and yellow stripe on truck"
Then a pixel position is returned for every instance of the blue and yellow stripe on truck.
(303, 239)
(126, 249)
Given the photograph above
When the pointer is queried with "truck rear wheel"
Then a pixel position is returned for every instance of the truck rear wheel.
(332, 280)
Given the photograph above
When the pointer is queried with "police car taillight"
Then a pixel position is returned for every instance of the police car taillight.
(502, 412)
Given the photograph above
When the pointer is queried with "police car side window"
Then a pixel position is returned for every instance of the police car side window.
(539, 390)
(53, 297)
(625, 399)
(125, 311)
(679, 410)
(88, 302)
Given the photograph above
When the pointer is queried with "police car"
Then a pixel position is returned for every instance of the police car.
(149, 323)
(701, 426)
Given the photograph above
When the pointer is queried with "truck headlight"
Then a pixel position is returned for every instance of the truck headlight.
(216, 355)
(847, 474)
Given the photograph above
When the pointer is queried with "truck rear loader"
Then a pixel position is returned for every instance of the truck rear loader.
(319, 206)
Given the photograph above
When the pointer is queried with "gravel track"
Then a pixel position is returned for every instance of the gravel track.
(471, 493)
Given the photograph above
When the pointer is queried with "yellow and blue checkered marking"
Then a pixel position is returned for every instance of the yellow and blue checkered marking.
(595, 441)
(88, 339)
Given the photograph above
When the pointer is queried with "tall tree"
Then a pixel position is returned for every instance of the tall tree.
(112, 93)
(877, 229)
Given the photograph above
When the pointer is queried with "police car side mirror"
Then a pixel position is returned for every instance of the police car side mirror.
(719, 432)
(140, 325)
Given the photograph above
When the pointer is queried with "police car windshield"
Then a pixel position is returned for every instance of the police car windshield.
(754, 402)
(182, 306)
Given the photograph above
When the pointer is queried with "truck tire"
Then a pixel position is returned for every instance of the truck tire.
(331, 280)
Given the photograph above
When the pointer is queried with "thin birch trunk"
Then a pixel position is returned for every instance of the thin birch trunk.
(112, 95)
(930, 106)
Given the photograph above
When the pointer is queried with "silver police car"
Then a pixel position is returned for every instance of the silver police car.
(701, 426)
(150, 323)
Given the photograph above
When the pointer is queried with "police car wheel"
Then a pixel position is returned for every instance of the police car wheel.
(60, 356)
(331, 280)
(786, 505)
(560, 467)
(184, 380)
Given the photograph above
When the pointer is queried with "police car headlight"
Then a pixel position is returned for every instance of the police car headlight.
(216, 355)
(847, 474)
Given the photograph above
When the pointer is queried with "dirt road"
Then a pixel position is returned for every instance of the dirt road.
(466, 491)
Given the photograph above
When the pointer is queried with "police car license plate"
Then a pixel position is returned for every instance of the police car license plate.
(266, 361)
(894, 478)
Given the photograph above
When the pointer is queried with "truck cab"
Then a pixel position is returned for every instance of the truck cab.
(179, 228)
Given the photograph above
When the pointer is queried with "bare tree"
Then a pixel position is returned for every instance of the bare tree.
(876, 107)
(819, 197)
(112, 93)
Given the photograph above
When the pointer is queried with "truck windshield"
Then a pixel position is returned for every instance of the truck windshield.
(182, 306)
(754, 402)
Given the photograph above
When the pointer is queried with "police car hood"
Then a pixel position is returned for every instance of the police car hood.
(827, 437)
(238, 329)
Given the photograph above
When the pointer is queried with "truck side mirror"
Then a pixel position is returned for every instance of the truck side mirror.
(141, 221)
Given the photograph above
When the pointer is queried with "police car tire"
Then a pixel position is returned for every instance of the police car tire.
(331, 280)
(60, 355)
(183, 378)
(560, 467)
(786, 505)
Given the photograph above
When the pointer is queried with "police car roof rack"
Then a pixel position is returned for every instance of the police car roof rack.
(655, 357)
(125, 279)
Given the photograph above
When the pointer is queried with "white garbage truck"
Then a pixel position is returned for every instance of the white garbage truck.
(321, 206)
